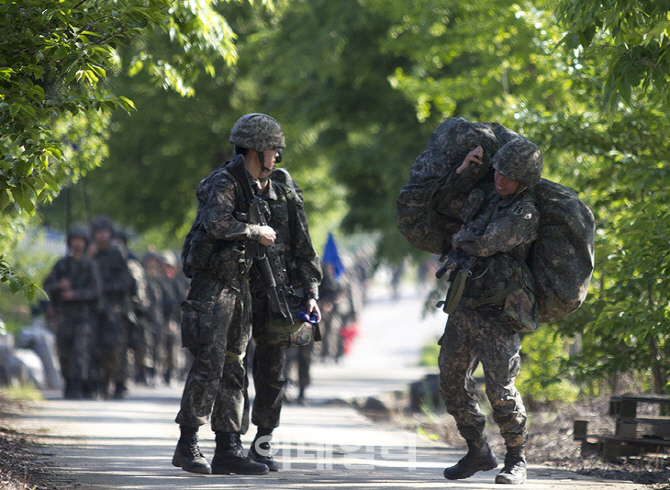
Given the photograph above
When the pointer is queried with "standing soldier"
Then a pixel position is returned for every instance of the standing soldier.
(297, 257)
(74, 288)
(111, 329)
(216, 319)
(154, 314)
(135, 317)
(173, 294)
(493, 306)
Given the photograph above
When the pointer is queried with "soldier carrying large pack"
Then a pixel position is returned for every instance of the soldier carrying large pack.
(479, 185)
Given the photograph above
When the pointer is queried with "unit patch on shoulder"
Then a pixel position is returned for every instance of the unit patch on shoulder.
(520, 210)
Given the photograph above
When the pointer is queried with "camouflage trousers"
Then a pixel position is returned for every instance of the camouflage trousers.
(109, 361)
(216, 383)
(267, 368)
(485, 336)
(73, 340)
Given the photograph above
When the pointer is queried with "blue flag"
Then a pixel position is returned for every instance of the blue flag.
(331, 256)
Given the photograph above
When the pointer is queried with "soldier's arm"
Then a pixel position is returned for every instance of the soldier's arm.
(308, 267)
(51, 282)
(218, 215)
(519, 226)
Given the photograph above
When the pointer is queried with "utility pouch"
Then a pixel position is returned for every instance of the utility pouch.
(229, 263)
(200, 250)
(190, 325)
(455, 292)
(521, 304)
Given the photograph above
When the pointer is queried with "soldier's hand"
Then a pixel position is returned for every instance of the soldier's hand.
(268, 236)
(67, 295)
(64, 284)
(312, 306)
(475, 156)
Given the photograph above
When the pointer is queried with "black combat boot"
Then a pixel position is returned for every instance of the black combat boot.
(260, 451)
(479, 458)
(229, 458)
(187, 455)
(514, 471)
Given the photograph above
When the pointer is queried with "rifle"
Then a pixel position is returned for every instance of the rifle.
(456, 260)
(268, 259)
(461, 264)
(269, 263)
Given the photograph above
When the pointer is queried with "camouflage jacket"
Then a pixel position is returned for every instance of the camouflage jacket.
(118, 283)
(84, 277)
(288, 219)
(215, 242)
(500, 234)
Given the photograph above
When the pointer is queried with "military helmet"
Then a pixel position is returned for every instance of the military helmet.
(257, 132)
(102, 222)
(78, 231)
(519, 160)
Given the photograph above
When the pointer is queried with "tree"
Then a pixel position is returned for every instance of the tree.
(55, 60)
(629, 40)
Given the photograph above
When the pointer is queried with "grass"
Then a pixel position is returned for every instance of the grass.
(26, 392)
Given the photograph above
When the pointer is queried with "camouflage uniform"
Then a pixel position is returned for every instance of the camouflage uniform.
(216, 322)
(500, 235)
(112, 330)
(73, 317)
(293, 241)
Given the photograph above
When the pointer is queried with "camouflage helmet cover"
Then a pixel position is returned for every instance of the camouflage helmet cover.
(102, 222)
(257, 132)
(519, 160)
(79, 231)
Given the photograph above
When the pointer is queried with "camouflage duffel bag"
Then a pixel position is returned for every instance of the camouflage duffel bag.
(562, 258)
(429, 204)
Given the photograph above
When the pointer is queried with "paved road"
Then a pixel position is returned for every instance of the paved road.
(96, 445)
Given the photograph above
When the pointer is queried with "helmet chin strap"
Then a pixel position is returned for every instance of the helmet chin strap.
(261, 159)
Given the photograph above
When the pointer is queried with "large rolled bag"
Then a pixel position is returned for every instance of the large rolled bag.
(562, 258)
(429, 212)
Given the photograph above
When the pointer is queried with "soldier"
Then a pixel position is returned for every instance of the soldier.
(298, 258)
(174, 293)
(484, 327)
(154, 314)
(135, 318)
(118, 285)
(74, 288)
(216, 319)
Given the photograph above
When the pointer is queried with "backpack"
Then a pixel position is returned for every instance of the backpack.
(429, 212)
(562, 257)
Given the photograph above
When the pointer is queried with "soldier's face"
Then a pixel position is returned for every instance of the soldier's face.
(77, 245)
(103, 236)
(504, 186)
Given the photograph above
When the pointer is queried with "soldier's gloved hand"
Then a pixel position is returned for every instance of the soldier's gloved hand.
(268, 236)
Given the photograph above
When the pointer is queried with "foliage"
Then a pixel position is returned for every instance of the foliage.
(539, 380)
(630, 42)
(22, 392)
(626, 322)
(429, 354)
(56, 59)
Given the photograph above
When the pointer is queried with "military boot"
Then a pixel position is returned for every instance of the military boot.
(229, 458)
(514, 471)
(479, 458)
(260, 451)
(187, 454)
